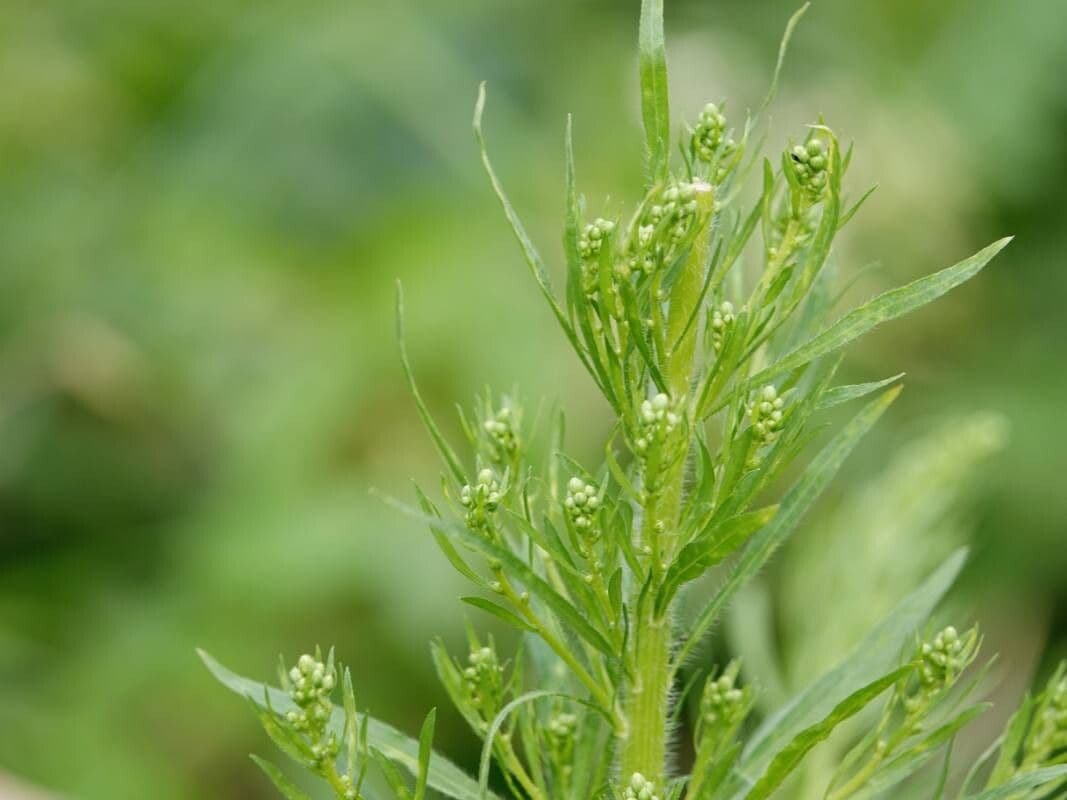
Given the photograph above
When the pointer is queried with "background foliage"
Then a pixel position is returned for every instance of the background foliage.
(203, 207)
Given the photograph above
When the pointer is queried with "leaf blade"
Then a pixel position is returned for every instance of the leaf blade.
(655, 105)
(883, 308)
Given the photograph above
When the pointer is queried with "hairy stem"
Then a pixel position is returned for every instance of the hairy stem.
(646, 704)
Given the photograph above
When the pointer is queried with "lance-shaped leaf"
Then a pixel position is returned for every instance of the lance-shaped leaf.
(655, 106)
(713, 545)
(448, 455)
(787, 759)
(883, 308)
(846, 394)
(529, 251)
(443, 775)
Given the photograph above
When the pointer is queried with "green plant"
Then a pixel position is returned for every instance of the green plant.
(716, 353)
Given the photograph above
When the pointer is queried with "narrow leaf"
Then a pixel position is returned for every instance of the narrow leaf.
(845, 394)
(790, 756)
(447, 453)
(281, 783)
(498, 611)
(425, 752)
(883, 308)
(655, 106)
(529, 251)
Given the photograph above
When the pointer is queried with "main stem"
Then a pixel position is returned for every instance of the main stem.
(646, 704)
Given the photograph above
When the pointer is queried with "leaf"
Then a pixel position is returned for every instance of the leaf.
(1011, 741)
(444, 776)
(713, 545)
(450, 552)
(655, 106)
(508, 617)
(854, 391)
(942, 777)
(783, 48)
(392, 775)
(1021, 783)
(790, 756)
(447, 453)
(876, 653)
(883, 308)
(281, 783)
(425, 752)
(793, 507)
(529, 251)
(855, 207)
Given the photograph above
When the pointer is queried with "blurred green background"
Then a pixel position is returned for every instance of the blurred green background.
(203, 209)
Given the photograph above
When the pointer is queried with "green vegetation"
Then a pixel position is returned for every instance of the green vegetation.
(708, 320)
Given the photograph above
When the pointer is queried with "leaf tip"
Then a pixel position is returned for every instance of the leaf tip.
(479, 107)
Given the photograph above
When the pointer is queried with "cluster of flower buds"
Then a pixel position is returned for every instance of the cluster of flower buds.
(722, 702)
(640, 788)
(676, 210)
(502, 429)
(722, 317)
(560, 731)
(483, 678)
(310, 685)
(582, 503)
(939, 663)
(942, 659)
(593, 236)
(809, 166)
(708, 133)
(1049, 728)
(766, 415)
(658, 420)
(591, 241)
(482, 499)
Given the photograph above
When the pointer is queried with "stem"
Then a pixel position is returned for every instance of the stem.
(646, 702)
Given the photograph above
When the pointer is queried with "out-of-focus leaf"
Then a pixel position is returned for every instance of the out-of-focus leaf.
(877, 652)
(1031, 780)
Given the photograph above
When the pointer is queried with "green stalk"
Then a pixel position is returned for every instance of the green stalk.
(646, 703)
